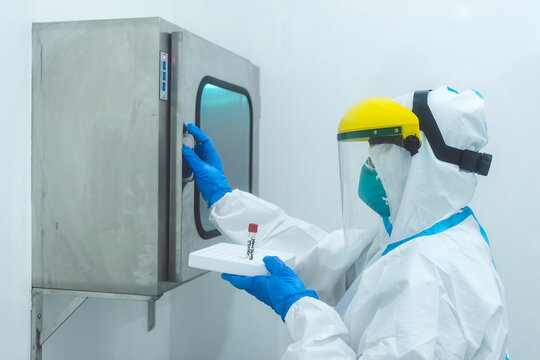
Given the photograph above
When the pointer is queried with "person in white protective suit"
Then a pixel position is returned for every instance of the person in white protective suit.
(410, 275)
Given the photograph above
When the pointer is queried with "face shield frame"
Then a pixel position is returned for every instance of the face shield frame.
(387, 135)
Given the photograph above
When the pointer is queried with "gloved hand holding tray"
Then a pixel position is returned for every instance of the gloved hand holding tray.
(231, 259)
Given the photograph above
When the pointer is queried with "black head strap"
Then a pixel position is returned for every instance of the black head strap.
(466, 159)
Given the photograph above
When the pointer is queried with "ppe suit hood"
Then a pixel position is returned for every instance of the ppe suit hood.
(421, 189)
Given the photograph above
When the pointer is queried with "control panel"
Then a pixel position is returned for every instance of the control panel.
(164, 77)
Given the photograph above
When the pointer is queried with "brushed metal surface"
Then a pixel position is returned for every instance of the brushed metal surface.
(110, 212)
(96, 159)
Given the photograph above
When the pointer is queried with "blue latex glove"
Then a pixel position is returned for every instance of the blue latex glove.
(208, 172)
(279, 290)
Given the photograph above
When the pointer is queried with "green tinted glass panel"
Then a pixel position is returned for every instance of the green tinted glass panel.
(225, 116)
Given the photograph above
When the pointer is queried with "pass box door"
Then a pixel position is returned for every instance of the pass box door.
(220, 94)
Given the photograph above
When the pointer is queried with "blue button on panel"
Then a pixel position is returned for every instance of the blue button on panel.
(164, 65)
(164, 76)
(162, 86)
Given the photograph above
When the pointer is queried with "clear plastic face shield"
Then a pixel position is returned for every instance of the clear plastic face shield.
(363, 197)
(376, 139)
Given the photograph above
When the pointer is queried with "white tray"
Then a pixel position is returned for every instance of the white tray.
(231, 259)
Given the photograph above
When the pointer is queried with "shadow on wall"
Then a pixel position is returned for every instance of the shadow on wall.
(192, 322)
(101, 329)
(198, 324)
(204, 319)
(222, 322)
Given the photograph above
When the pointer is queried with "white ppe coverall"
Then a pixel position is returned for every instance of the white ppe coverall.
(425, 287)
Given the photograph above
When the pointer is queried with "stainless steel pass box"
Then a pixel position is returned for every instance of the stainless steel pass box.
(114, 209)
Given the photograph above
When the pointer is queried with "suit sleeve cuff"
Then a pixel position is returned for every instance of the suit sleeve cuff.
(309, 318)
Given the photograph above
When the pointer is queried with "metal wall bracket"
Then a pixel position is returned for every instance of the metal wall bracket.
(37, 309)
(40, 335)
(151, 315)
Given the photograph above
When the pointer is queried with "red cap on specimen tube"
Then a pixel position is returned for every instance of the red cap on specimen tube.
(253, 228)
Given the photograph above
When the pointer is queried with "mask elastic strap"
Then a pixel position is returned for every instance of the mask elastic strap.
(468, 160)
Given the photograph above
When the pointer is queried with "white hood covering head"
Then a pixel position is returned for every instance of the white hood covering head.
(421, 189)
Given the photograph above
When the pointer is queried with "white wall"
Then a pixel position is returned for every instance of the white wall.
(14, 179)
(317, 58)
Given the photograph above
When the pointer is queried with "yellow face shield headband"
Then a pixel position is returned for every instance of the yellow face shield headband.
(379, 121)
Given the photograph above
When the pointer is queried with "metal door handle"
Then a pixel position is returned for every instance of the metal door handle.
(187, 140)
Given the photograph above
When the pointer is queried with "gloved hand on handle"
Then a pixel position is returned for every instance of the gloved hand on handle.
(208, 171)
(279, 290)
